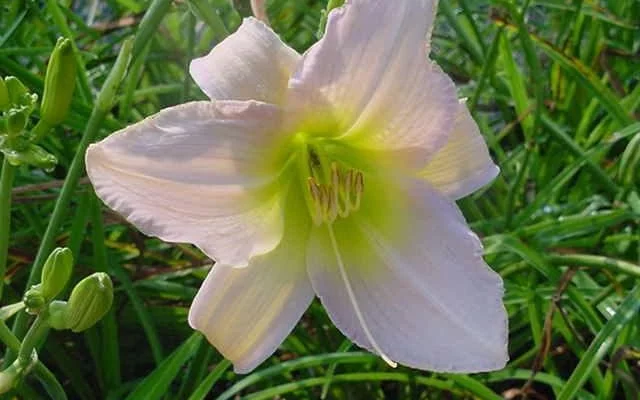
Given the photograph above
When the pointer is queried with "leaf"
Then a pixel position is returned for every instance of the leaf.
(156, 384)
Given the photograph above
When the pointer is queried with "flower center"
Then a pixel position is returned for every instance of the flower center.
(331, 190)
(339, 197)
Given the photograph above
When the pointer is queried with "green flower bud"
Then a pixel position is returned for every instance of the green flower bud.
(59, 83)
(58, 315)
(4, 96)
(19, 97)
(16, 90)
(33, 300)
(56, 272)
(89, 301)
(16, 122)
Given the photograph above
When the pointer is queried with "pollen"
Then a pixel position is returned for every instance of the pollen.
(339, 197)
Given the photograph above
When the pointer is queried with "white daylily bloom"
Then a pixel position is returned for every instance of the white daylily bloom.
(332, 174)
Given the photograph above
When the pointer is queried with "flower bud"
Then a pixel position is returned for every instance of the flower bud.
(59, 83)
(16, 121)
(89, 301)
(58, 315)
(19, 97)
(15, 89)
(4, 96)
(56, 272)
(33, 300)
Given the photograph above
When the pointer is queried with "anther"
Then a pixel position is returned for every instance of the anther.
(324, 199)
(345, 191)
(358, 188)
(332, 207)
(316, 199)
(338, 197)
(336, 180)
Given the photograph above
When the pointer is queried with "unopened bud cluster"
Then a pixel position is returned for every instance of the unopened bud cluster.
(89, 301)
(17, 104)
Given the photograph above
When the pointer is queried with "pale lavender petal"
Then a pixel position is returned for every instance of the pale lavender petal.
(369, 78)
(252, 63)
(425, 296)
(463, 165)
(195, 174)
(246, 313)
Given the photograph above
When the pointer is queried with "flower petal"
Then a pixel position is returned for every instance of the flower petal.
(251, 64)
(419, 294)
(370, 75)
(194, 173)
(246, 313)
(463, 165)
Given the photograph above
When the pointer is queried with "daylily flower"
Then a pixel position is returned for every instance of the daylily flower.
(333, 173)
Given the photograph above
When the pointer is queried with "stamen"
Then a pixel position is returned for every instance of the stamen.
(359, 188)
(335, 175)
(325, 201)
(352, 298)
(336, 180)
(338, 197)
(316, 199)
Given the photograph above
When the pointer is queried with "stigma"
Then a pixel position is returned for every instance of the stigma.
(339, 196)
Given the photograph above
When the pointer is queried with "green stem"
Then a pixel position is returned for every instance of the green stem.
(33, 337)
(6, 183)
(203, 10)
(108, 327)
(149, 25)
(102, 106)
(592, 261)
(41, 129)
(517, 186)
(59, 212)
(44, 375)
(7, 337)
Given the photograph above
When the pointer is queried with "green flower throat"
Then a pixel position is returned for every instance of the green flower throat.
(332, 187)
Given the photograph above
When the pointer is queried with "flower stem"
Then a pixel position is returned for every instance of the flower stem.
(59, 212)
(595, 261)
(46, 377)
(102, 107)
(6, 183)
(41, 129)
(33, 337)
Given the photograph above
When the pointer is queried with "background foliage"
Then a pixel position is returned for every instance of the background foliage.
(554, 85)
